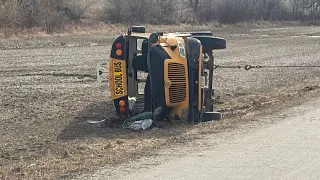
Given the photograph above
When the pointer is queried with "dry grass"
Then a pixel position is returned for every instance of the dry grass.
(75, 155)
(97, 28)
(78, 156)
(86, 28)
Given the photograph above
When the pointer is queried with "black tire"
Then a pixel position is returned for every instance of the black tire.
(212, 116)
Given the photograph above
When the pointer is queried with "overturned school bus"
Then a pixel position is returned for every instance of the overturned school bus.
(169, 74)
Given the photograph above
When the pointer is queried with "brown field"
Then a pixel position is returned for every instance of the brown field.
(49, 91)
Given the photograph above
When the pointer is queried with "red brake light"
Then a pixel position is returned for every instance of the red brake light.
(122, 110)
(119, 46)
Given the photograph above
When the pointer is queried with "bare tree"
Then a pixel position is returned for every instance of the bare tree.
(74, 11)
(314, 7)
(54, 14)
(115, 11)
(194, 5)
(166, 11)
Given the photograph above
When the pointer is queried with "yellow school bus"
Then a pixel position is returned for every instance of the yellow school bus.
(168, 74)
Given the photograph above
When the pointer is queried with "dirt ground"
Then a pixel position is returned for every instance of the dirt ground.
(49, 91)
(282, 145)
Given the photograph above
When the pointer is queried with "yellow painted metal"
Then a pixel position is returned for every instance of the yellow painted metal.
(176, 77)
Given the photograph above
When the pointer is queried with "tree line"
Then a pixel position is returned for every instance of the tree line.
(54, 14)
